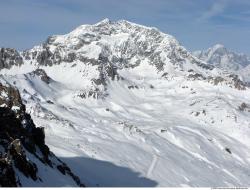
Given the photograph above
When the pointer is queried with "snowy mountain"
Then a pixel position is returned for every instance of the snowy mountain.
(126, 105)
(223, 58)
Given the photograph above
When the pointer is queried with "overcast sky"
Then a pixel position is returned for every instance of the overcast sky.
(197, 24)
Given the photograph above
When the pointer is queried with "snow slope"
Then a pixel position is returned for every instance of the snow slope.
(160, 116)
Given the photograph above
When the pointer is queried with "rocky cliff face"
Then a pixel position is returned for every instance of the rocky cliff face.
(21, 142)
(9, 57)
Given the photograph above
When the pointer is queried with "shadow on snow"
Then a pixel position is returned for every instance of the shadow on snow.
(94, 173)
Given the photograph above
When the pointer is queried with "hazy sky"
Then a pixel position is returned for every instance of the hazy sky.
(197, 24)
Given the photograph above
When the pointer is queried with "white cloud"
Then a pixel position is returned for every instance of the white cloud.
(217, 8)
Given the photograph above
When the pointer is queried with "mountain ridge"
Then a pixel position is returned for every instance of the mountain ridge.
(220, 56)
(110, 46)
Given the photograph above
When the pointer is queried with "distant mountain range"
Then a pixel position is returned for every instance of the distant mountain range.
(221, 57)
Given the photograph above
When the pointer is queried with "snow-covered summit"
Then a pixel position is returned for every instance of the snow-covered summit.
(223, 58)
(91, 40)
(91, 55)
(109, 50)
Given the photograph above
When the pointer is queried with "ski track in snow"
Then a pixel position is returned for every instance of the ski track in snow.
(152, 165)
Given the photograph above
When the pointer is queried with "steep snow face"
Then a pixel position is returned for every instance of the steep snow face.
(223, 58)
(126, 105)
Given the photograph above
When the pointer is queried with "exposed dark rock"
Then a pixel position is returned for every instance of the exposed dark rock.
(43, 75)
(49, 102)
(18, 136)
(9, 57)
(151, 86)
(235, 82)
(45, 57)
(95, 93)
(196, 76)
(164, 75)
(13, 137)
(218, 80)
(163, 130)
(70, 57)
(107, 69)
(7, 174)
(197, 113)
(202, 65)
(228, 150)
(133, 86)
(12, 98)
(204, 112)
(238, 84)
(243, 106)
(64, 169)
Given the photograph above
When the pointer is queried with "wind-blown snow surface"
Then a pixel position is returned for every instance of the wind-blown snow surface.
(148, 131)
(152, 131)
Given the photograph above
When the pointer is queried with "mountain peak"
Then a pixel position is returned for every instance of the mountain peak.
(104, 21)
(223, 58)
(218, 46)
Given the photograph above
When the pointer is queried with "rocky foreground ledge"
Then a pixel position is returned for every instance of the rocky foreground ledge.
(22, 144)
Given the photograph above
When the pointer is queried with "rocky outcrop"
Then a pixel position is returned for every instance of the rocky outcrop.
(10, 98)
(15, 138)
(42, 75)
(237, 83)
(231, 80)
(244, 107)
(19, 137)
(9, 57)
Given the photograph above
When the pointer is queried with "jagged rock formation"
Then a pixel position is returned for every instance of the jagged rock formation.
(19, 138)
(42, 74)
(9, 57)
